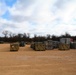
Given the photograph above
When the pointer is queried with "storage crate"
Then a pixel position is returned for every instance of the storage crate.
(14, 47)
(39, 46)
(49, 45)
(64, 46)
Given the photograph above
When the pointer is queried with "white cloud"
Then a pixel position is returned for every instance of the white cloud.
(42, 17)
(14, 26)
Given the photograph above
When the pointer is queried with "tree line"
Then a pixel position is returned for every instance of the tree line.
(11, 37)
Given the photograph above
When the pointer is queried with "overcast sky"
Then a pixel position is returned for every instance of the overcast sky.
(39, 17)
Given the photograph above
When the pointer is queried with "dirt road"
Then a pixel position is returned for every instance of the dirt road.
(29, 62)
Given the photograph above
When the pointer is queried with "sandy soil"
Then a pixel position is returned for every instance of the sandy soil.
(29, 62)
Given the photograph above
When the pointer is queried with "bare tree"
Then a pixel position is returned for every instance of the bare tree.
(28, 35)
(10, 34)
(5, 33)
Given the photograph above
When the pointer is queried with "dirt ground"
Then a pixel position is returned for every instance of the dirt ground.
(29, 62)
